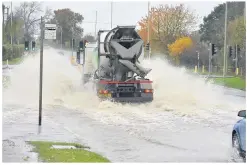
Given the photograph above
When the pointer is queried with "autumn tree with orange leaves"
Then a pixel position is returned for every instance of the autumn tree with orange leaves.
(178, 47)
(166, 24)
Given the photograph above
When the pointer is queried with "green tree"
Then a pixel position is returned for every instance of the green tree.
(236, 32)
(212, 29)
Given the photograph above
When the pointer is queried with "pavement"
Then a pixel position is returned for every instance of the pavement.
(18, 129)
(8, 66)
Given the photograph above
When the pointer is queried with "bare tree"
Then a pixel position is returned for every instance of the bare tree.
(30, 13)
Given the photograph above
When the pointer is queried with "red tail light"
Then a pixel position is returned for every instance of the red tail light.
(148, 90)
(103, 91)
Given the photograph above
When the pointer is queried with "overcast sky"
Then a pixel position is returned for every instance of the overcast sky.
(124, 12)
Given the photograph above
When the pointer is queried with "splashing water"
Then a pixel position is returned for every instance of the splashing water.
(174, 89)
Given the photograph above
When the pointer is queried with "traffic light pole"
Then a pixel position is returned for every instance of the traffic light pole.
(236, 58)
(198, 59)
(209, 58)
(72, 47)
(41, 71)
(83, 66)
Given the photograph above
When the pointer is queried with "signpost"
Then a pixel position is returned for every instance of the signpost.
(41, 70)
(50, 31)
(47, 32)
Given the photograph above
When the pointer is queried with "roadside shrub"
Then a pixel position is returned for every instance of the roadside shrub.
(18, 51)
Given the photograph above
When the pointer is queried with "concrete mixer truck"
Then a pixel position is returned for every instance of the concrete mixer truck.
(116, 70)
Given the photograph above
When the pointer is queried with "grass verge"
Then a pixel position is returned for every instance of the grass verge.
(233, 82)
(14, 61)
(48, 154)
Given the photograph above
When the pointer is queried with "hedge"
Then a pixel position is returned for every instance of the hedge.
(18, 51)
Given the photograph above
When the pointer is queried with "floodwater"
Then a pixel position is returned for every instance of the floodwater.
(188, 121)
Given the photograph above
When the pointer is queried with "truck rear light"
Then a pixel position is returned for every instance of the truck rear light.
(148, 90)
(103, 91)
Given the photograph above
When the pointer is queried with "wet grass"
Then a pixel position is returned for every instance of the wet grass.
(48, 154)
(233, 82)
(14, 61)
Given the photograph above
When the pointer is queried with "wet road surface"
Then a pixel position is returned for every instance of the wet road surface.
(175, 139)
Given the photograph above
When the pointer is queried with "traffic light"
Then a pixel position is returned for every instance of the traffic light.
(213, 48)
(33, 45)
(81, 45)
(147, 46)
(230, 51)
(26, 45)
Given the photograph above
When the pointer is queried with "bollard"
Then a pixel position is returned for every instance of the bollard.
(7, 63)
(195, 69)
(202, 68)
(236, 71)
(72, 60)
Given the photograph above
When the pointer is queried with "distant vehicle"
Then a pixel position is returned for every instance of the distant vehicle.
(239, 135)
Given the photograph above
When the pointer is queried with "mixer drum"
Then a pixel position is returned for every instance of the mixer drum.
(124, 42)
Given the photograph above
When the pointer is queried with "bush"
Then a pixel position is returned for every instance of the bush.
(18, 51)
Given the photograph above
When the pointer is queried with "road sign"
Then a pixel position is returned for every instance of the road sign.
(50, 31)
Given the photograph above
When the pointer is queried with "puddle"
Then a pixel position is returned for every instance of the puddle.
(64, 147)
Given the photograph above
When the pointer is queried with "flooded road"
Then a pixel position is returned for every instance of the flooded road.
(188, 121)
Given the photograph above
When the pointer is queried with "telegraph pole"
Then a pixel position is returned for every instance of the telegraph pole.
(148, 30)
(225, 61)
(11, 31)
(95, 27)
(111, 13)
(3, 26)
(11, 20)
